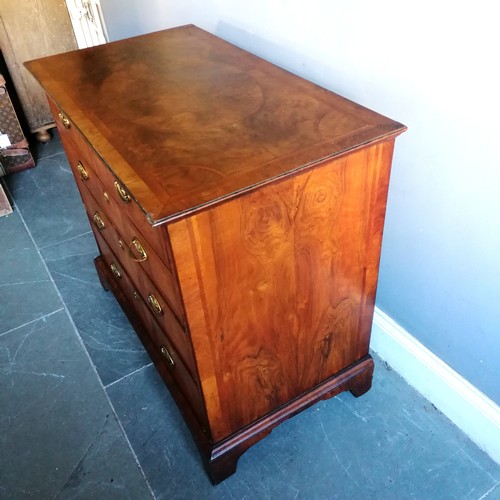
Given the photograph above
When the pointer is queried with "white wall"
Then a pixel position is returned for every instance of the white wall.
(434, 67)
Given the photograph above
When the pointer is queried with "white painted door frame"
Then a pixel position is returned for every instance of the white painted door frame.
(88, 22)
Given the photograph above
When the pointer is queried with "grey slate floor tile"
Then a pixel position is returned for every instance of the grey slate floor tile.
(54, 414)
(62, 232)
(106, 471)
(389, 444)
(26, 292)
(49, 201)
(160, 437)
(109, 338)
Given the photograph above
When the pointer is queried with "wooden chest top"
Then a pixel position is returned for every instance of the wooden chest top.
(186, 120)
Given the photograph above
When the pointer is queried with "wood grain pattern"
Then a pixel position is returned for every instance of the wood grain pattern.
(278, 284)
(263, 197)
(29, 29)
(214, 121)
(102, 180)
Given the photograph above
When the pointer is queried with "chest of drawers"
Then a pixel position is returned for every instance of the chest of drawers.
(239, 211)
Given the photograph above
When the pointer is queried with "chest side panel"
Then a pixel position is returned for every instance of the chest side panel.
(279, 284)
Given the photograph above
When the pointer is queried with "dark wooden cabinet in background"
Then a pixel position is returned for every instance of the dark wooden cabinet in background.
(29, 29)
(239, 212)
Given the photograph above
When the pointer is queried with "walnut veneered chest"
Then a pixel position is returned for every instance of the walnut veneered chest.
(238, 211)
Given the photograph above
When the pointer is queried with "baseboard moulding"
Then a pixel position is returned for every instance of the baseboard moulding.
(467, 407)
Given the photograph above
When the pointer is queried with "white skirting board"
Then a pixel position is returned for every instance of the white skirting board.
(468, 408)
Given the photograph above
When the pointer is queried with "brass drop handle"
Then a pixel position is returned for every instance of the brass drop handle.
(166, 354)
(140, 250)
(64, 120)
(99, 223)
(116, 272)
(83, 172)
(154, 304)
(122, 193)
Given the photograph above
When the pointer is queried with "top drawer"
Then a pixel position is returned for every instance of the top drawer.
(85, 160)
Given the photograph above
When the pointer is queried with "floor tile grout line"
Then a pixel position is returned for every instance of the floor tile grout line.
(111, 384)
(33, 320)
(489, 491)
(17, 283)
(38, 160)
(134, 455)
(75, 329)
(46, 247)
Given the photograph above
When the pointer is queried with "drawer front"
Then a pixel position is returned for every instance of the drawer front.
(119, 245)
(179, 372)
(137, 254)
(74, 144)
(158, 309)
(115, 191)
(79, 152)
(142, 257)
(163, 345)
(98, 217)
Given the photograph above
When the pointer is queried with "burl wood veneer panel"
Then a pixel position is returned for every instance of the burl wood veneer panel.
(279, 284)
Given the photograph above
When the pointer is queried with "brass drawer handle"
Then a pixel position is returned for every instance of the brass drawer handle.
(116, 272)
(155, 305)
(106, 196)
(140, 250)
(121, 191)
(99, 223)
(167, 356)
(83, 173)
(64, 120)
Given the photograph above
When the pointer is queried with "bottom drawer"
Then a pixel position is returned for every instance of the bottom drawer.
(164, 348)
